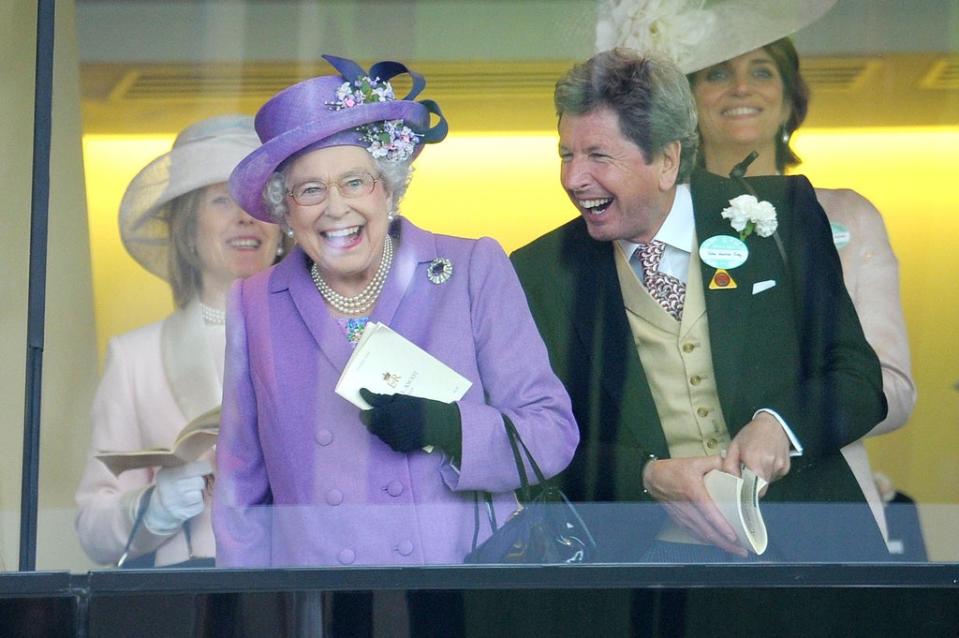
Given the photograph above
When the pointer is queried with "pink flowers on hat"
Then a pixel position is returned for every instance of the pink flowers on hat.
(390, 139)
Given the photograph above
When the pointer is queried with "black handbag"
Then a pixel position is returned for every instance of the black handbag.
(545, 529)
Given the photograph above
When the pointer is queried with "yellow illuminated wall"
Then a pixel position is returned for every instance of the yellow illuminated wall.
(910, 175)
(506, 186)
(496, 185)
(126, 295)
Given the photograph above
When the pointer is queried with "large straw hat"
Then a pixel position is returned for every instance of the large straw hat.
(697, 34)
(332, 110)
(204, 153)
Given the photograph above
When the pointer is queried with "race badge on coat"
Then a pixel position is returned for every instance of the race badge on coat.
(840, 235)
(724, 252)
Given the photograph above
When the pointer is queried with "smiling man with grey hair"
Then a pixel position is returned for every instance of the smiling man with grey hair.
(689, 346)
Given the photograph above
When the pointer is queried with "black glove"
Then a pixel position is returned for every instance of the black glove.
(408, 423)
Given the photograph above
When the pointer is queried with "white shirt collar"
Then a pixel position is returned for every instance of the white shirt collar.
(679, 227)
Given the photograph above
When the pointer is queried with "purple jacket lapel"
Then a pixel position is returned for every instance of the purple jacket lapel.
(414, 247)
(292, 277)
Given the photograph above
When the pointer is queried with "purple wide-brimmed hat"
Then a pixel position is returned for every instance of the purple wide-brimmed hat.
(354, 108)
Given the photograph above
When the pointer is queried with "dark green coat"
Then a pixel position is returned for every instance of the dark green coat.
(796, 348)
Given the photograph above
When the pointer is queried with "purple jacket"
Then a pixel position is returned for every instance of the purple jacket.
(300, 480)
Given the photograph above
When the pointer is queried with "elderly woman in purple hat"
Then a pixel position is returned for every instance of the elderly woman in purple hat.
(305, 477)
(178, 221)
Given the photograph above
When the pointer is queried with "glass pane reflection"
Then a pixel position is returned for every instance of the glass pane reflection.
(146, 71)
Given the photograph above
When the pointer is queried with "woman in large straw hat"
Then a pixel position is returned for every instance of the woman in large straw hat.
(178, 220)
(751, 96)
(305, 477)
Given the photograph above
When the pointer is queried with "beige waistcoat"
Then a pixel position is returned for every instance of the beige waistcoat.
(677, 359)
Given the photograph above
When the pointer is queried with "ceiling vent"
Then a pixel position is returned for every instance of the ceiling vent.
(838, 74)
(493, 80)
(450, 80)
(943, 74)
(179, 83)
(260, 81)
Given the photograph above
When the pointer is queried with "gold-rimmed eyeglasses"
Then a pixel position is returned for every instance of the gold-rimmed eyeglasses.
(350, 186)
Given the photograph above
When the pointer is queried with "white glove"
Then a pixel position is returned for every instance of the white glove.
(177, 496)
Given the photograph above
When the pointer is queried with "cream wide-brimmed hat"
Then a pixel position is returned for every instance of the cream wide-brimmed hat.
(204, 153)
(696, 34)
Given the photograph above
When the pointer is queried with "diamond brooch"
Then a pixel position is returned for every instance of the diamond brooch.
(439, 270)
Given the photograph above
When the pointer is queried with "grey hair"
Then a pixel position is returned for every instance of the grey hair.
(650, 96)
(396, 176)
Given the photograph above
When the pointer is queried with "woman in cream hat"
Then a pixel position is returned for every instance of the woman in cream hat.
(178, 220)
(304, 476)
(751, 96)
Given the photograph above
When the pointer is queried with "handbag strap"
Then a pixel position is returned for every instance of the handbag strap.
(515, 442)
(490, 513)
(475, 520)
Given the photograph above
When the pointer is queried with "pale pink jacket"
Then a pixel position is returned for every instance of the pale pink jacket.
(156, 379)
(871, 273)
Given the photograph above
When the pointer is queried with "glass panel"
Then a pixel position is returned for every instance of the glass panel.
(16, 46)
(883, 120)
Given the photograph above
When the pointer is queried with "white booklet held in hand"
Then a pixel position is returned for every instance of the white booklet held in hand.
(386, 362)
(738, 501)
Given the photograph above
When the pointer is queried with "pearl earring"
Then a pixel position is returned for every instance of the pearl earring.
(784, 135)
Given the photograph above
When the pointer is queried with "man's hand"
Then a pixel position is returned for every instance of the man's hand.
(762, 446)
(678, 485)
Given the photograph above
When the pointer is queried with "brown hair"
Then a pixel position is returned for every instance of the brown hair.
(183, 265)
(795, 93)
(183, 261)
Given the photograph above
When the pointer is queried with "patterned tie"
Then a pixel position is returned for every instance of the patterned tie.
(668, 291)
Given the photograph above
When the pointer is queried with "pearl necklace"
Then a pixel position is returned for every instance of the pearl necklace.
(212, 316)
(367, 297)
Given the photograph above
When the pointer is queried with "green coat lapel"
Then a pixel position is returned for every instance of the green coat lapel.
(736, 316)
(601, 324)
